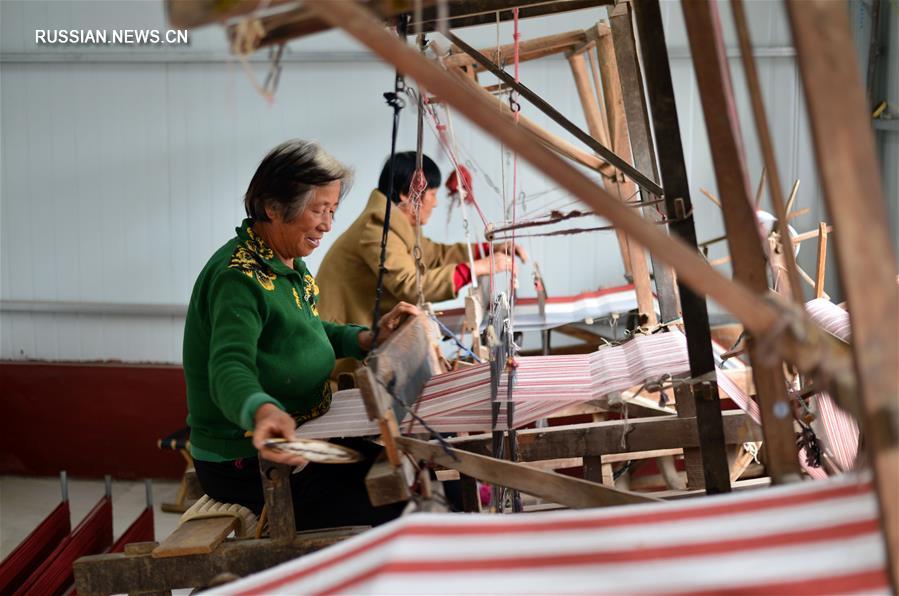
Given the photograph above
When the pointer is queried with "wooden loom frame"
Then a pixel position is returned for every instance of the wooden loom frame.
(818, 26)
(860, 379)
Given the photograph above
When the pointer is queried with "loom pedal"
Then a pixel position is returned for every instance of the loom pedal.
(196, 537)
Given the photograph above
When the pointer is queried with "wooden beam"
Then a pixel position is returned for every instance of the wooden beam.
(528, 49)
(469, 13)
(546, 138)
(604, 152)
(286, 25)
(849, 167)
(621, 145)
(589, 101)
(641, 142)
(121, 573)
(707, 465)
(194, 13)
(767, 145)
(811, 349)
(558, 488)
(598, 127)
(603, 438)
(196, 536)
(738, 207)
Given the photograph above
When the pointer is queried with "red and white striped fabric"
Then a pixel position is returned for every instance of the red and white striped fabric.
(748, 405)
(460, 400)
(836, 428)
(810, 538)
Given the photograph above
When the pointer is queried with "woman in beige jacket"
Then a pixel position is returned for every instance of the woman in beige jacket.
(348, 274)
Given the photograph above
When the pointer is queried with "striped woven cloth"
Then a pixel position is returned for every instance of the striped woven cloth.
(807, 538)
(836, 428)
(460, 400)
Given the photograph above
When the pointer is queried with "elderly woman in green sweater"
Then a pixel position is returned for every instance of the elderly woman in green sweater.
(256, 354)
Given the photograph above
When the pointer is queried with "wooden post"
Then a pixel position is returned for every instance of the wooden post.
(278, 500)
(840, 118)
(593, 469)
(640, 137)
(589, 101)
(703, 404)
(471, 497)
(737, 206)
(627, 190)
(597, 129)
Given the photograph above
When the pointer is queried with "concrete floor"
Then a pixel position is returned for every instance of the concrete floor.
(26, 501)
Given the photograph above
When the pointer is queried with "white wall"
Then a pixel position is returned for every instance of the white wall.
(123, 168)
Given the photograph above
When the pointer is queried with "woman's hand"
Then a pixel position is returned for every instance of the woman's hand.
(388, 324)
(501, 261)
(508, 248)
(271, 422)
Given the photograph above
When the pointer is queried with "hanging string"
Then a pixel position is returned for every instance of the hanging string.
(395, 101)
(440, 133)
(419, 185)
(516, 110)
(464, 193)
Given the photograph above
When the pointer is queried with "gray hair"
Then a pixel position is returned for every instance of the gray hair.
(288, 177)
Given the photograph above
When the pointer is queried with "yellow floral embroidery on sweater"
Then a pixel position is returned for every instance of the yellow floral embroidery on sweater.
(296, 298)
(320, 409)
(311, 293)
(249, 258)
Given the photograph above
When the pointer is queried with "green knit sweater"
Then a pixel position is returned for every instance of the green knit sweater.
(253, 336)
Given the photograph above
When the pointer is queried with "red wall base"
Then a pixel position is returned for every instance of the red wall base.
(90, 419)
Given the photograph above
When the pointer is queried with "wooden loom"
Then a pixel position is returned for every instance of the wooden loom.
(860, 379)
(798, 341)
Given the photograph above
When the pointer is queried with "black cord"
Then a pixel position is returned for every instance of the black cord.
(395, 101)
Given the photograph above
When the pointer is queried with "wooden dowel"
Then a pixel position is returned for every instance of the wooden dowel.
(760, 188)
(798, 213)
(822, 260)
(710, 197)
(808, 279)
(792, 198)
(810, 234)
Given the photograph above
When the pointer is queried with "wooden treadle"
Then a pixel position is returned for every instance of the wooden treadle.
(196, 537)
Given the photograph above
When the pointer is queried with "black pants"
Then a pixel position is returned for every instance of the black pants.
(324, 495)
